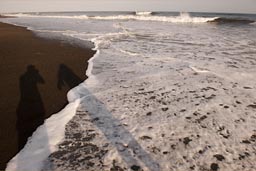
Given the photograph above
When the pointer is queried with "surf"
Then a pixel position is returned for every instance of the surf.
(184, 17)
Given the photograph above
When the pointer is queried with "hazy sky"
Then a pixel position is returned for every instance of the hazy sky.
(237, 6)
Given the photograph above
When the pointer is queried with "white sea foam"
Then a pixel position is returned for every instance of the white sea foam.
(198, 70)
(128, 52)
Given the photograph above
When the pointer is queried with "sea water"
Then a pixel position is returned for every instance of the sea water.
(142, 57)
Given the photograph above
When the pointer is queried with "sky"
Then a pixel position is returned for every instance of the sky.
(228, 6)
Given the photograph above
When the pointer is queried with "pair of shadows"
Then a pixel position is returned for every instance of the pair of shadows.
(31, 111)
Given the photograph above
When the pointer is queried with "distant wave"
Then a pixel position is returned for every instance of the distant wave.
(222, 20)
(143, 16)
(47, 16)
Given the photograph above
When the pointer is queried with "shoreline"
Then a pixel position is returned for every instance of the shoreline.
(36, 75)
(185, 101)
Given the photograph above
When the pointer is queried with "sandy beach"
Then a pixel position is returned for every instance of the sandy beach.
(36, 75)
(165, 91)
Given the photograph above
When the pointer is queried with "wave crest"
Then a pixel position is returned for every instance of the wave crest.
(143, 13)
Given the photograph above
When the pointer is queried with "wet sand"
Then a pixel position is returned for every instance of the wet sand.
(36, 75)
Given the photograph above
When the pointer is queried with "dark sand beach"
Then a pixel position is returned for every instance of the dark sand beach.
(36, 75)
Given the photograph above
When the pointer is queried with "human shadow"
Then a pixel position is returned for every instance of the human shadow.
(67, 77)
(30, 111)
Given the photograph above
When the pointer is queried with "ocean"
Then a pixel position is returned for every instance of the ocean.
(151, 73)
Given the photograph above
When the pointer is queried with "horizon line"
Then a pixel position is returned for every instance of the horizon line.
(163, 11)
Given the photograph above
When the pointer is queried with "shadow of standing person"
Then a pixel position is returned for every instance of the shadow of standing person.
(30, 111)
(67, 77)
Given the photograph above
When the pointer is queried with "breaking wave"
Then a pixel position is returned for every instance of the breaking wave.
(141, 16)
(145, 13)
